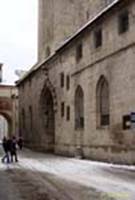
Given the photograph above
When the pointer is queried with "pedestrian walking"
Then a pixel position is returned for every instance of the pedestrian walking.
(20, 142)
(6, 149)
(13, 150)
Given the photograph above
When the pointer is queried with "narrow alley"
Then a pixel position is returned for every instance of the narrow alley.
(39, 176)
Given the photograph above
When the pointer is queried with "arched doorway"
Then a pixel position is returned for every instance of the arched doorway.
(47, 104)
(79, 120)
(3, 127)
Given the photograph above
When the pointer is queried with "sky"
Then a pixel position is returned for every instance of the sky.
(18, 36)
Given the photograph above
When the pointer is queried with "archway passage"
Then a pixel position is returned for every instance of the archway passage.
(9, 108)
(49, 119)
(4, 127)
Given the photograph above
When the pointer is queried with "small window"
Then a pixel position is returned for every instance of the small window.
(87, 14)
(62, 109)
(98, 38)
(62, 80)
(23, 118)
(68, 113)
(126, 122)
(79, 52)
(123, 22)
(68, 82)
(104, 120)
(48, 52)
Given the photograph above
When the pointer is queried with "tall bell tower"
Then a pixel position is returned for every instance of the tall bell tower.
(59, 19)
(45, 27)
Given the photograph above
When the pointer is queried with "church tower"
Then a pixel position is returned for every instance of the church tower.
(59, 19)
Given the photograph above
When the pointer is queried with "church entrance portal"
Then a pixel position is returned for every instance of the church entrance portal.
(49, 119)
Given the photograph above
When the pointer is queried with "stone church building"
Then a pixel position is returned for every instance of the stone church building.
(79, 98)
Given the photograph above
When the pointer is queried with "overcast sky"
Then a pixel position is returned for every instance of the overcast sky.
(18, 36)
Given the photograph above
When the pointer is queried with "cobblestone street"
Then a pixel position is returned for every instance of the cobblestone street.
(40, 176)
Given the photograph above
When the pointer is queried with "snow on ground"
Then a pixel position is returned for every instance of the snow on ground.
(118, 181)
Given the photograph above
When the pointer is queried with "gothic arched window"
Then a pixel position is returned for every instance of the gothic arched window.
(79, 108)
(103, 115)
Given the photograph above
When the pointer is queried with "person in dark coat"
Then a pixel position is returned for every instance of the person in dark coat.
(6, 149)
(13, 150)
(20, 142)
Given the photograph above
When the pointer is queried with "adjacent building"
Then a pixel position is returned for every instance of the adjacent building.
(9, 124)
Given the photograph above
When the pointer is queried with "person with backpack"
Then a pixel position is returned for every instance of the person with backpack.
(6, 149)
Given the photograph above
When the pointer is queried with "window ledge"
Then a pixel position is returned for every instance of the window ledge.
(103, 127)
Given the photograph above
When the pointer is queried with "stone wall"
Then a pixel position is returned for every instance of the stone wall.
(115, 61)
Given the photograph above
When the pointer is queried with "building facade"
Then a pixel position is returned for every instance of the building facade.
(79, 99)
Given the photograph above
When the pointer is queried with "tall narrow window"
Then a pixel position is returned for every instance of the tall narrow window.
(123, 22)
(23, 119)
(87, 14)
(30, 116)
(103, 115)
(68, 113)
(98, 38)
(30, 79)
(62, 79)
(68, 82)
(79, 108)
(79, 52)
(62, 109)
